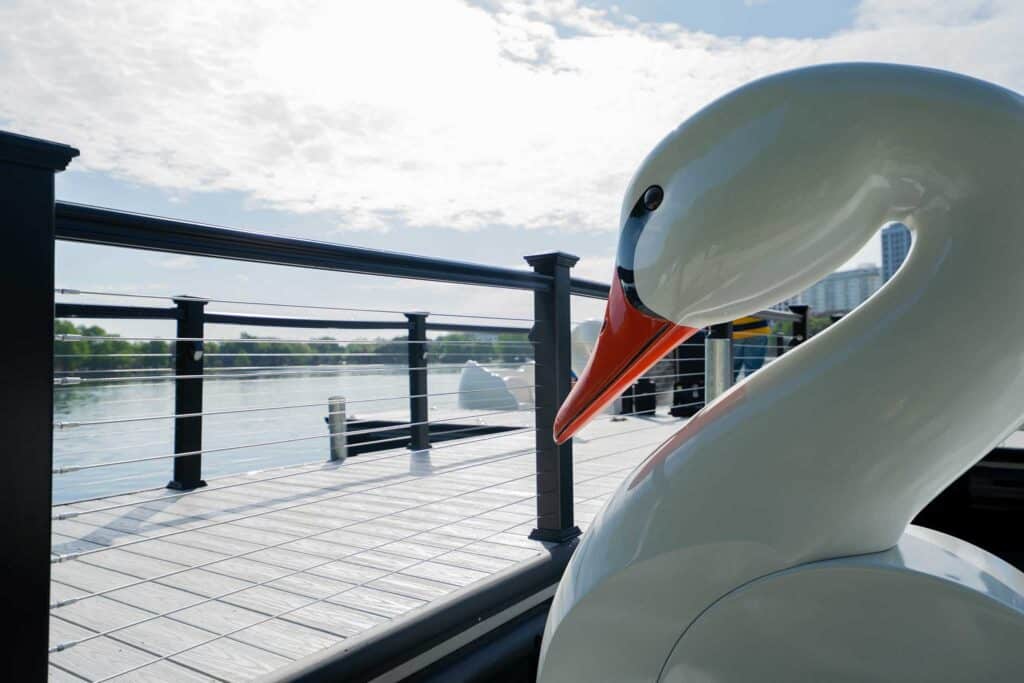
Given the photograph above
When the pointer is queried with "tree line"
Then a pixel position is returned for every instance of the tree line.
(251, 350)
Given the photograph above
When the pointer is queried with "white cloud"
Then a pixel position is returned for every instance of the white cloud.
(418, 113)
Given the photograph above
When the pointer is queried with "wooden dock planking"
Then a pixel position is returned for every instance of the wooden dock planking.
(328, 552)
(286, 639)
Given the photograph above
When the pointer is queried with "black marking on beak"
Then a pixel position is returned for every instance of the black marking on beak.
(625, 257)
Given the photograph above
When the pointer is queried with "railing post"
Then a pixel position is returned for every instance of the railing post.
(551, 334)
(800, 326)
(188, 395)
(717, 361)
(27, 167)
(419, 431)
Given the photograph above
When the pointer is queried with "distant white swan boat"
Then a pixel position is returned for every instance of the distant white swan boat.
(484, 389)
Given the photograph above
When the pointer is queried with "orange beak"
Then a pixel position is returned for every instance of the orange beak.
(630, 342)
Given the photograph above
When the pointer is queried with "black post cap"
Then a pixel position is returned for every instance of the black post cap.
(26, 151)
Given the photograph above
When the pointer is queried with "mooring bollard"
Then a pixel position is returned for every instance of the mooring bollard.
(336, 427)
(718, 361)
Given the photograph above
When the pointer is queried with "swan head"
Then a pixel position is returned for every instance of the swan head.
(751, 200)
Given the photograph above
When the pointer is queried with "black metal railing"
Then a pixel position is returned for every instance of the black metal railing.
(189, 365)
(550, 281)
(33, 220)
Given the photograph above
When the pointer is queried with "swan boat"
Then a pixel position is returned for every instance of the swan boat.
(482, 388)
(737, 552)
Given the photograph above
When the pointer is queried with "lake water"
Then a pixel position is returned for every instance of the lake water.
(134, 440)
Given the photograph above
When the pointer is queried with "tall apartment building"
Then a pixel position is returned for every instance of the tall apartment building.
(895, 246)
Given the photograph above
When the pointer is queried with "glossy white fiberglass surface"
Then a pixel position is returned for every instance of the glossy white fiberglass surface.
(915, 612)
(830, 451)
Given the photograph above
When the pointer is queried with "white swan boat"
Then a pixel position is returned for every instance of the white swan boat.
(482, 388)
(802, 566)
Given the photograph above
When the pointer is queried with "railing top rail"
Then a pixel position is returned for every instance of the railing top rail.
(96, 225)
(215, 317)
(114, 312)
(589, 289)
(463, 327)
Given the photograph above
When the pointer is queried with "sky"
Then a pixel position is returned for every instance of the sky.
(482, 130)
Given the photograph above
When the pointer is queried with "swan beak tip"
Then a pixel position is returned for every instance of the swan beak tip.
(630, 343)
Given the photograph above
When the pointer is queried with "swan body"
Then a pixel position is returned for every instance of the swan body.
(768, 539)
(929, 609)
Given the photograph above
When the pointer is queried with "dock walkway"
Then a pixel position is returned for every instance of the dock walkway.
(238, 579)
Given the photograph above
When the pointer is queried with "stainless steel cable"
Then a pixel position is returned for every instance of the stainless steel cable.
(210, 371)
(249, 433)
(166, 398)
(73, 292)
(134, 431)
(280, 371)
(113, 355)
(68, 469)
(84, 423)
(631, 431)
(363, 459)
(678, 374)
(67, 454)
(82, 371)
(233, 340)
(226, 370)
(635, 413)
(231, 368)
(277, 393)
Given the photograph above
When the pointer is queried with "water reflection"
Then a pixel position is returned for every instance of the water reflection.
(235, 441)
(419, 463)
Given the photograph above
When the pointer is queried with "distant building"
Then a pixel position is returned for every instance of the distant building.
(840, 292)
(895, 246)
(844, 290)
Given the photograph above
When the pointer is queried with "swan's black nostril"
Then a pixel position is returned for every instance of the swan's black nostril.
(652, 197)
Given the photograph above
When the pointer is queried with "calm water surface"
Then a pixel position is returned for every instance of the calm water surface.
(135, 440)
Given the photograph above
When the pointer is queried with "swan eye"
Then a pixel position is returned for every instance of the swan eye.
(652, 197)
